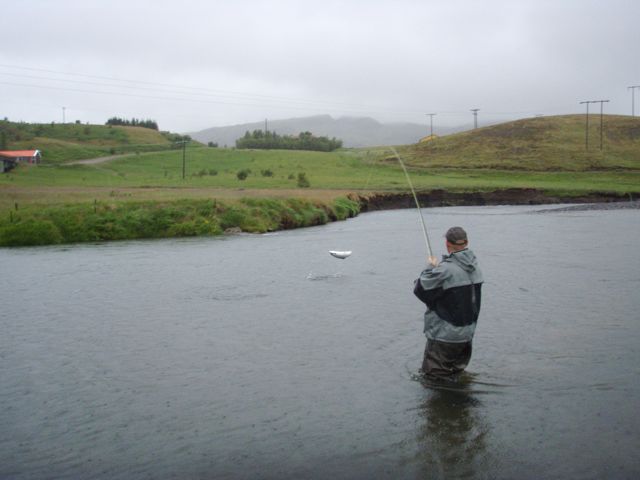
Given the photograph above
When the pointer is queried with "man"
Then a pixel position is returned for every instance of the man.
(451, 290)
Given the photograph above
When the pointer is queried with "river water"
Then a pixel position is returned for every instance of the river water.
(261, 356)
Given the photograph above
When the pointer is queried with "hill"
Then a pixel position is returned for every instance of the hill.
(74, 141)
(353, 131)
(536, 144)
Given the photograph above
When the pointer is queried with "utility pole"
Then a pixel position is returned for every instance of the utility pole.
(184, 155)
(431, 121)
(475, 117)
(586, 138)
(63, 115)
(633, 99)
(602, 102)
(587, 102)
(265, 127)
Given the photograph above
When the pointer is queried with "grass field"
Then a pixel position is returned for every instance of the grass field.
(209, 170)
(537, 144)
(74, 141)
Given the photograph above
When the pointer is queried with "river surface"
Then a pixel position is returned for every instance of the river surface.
(261, 356)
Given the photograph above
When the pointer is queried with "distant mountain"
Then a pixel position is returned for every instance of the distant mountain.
(353, 131)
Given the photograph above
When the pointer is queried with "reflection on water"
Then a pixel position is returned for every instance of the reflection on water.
(452, 439)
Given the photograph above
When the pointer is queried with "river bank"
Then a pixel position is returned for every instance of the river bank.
(510, 196)
(108, 221)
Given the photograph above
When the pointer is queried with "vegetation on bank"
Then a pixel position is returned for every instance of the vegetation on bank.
(266, 140)
(100, 221)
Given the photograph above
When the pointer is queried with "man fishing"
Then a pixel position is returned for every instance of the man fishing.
(451, 289)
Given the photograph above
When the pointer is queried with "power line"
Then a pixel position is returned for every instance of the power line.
(201, 101)
(142, 82)
(188, 90)
(217, 96)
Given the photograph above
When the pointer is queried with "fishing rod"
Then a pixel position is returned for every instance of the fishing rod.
(424, 227)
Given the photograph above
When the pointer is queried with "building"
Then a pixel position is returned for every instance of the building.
(10, 158)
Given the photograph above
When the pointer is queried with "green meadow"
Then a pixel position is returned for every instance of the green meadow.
(207, 170)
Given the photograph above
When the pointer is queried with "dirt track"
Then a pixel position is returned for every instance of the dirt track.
(93, 161)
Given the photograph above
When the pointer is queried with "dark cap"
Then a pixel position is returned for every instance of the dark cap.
(456, 235)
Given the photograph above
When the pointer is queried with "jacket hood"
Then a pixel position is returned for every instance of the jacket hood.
(466, 259)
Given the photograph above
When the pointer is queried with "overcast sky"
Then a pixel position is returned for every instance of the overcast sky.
(193, 64)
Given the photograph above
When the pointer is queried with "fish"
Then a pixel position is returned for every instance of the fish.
(339, 254)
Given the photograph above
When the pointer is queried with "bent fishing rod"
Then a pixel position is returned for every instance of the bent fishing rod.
(415, 198)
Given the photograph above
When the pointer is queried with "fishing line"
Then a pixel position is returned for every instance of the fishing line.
(366, 184)
(424, 227)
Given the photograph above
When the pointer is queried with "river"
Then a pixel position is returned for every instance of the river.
(261, 356)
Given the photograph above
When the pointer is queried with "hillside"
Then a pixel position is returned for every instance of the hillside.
(354, 132)
(536, 144)
(73, 141)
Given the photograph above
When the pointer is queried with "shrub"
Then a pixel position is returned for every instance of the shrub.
(30, 232)
(303, 182)
(243, 174)
(97, 227)
(195, 227)
(232, 217)
(345, 208)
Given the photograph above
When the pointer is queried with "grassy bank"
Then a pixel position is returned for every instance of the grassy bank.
(100, 221)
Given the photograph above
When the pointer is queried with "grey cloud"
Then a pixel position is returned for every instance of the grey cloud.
(389, 59)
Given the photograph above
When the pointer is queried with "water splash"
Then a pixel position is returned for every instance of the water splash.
(316, 276)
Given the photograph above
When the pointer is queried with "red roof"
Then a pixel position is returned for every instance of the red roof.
(18, 153)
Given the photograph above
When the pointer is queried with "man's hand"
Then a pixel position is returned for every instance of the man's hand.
(433, 261)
